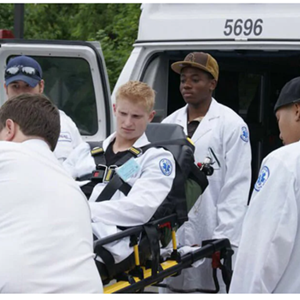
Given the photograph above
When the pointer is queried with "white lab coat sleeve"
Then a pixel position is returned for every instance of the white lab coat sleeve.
(80, 161)
(233, 196)
(69, 137)
(145, 196)
(268, 234)
(75, 134)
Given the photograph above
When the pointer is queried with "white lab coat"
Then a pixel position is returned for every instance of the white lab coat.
(150, 187)
(268, 260)
(80, 162)
(69, 137)
(219, 212)
(45, 230)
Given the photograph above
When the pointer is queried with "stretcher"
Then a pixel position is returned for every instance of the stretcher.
(150, 269)
(146, 266)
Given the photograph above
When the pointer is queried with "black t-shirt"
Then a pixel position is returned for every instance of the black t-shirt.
(111, 157)
(191, 127)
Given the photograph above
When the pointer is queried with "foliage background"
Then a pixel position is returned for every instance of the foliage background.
(114, 25)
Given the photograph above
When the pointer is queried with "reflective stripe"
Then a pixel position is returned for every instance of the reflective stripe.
(135, 151)
(96, 150)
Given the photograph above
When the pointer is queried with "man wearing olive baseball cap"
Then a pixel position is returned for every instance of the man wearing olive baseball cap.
(220, 134)
(200, 60)
(287, 110)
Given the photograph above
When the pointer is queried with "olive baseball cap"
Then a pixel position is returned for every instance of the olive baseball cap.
(200, 60)
(289, 94)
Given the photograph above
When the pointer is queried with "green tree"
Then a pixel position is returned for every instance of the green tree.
(115, 26)
(49, 21)
(7, 16)
(117, 39)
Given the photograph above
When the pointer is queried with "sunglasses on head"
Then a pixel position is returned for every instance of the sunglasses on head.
(28, 71)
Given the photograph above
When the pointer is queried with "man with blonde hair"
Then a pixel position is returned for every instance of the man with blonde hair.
(145, 178)
(150, 174)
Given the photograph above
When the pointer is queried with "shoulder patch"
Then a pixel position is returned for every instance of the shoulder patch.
(166, 166)
(262, 178)
(245, 134)
(65, 137)
(96, 151)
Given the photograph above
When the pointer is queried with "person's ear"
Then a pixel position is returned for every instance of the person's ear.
(41, 86)
(297, 111)
(10, 130)
(114, 108)
(213, 85)
(6, 90)
(151, 116)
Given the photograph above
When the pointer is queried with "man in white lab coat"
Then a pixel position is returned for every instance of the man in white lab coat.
(217, 132)
(268, 260)
(23, 74)
(149, 174)
(45, 230)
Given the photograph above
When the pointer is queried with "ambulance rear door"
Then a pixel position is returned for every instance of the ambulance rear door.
(75, 80)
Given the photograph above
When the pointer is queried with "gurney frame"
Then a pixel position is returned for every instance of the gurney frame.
(156, 270)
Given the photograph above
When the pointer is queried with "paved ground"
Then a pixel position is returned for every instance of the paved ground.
(149, 289)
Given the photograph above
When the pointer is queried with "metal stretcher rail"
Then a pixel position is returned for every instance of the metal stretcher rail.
(186, 261)
(134, 230)
(155, 271)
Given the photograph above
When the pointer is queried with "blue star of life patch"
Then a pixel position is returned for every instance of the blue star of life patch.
(262, 178)
(245, 134)
(166, 166)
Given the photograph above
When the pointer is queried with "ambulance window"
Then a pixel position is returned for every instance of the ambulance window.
(68, 83)
(239, 90)
(154, 75)
(249, 93)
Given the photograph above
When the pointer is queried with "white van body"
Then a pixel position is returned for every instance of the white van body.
(257, 47)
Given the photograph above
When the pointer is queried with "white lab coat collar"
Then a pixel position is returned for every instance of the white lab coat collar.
(206, 124)
(37, 144)
(142, 141)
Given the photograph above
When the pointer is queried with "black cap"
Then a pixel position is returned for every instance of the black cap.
(289, 94)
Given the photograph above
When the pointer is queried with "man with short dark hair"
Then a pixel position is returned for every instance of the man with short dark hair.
(37, 119)
(23, 74)
(45, 230)
(268, 259)
(219, 133)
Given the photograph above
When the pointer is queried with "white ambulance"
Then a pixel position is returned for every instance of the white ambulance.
(75, 79)
(257, 47)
